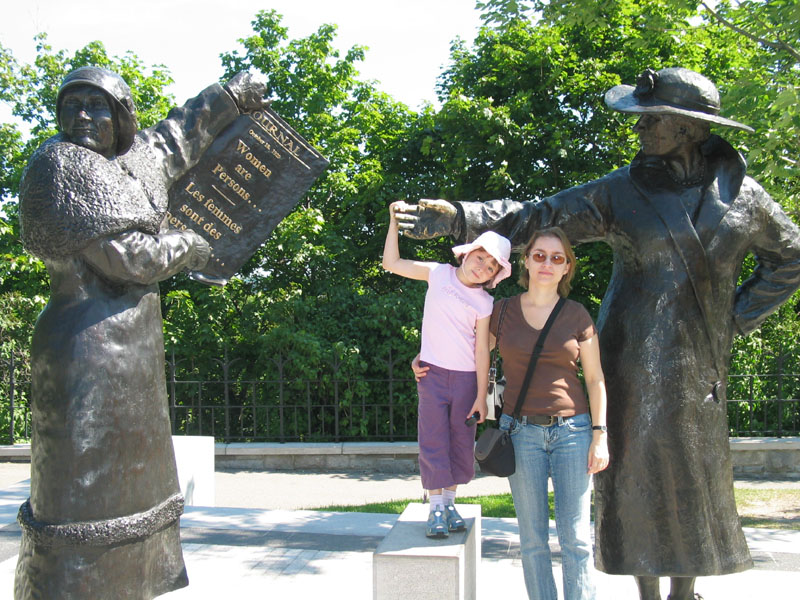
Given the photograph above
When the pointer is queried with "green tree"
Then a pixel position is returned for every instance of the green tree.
(522, 112)
(313, 302)
(293, 306)
(522, 116)
(750, 48)
(766, 93)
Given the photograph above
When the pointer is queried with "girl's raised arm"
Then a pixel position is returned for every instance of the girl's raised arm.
(412, 269)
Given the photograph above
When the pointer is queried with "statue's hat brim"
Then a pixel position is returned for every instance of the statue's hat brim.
(621, 98)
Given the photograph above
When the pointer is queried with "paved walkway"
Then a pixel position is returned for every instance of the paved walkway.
(285, 553)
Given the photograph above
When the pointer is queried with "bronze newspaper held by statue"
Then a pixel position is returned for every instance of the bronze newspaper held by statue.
(251, 177)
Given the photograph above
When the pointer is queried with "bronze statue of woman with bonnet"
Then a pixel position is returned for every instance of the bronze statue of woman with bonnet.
(102, 520)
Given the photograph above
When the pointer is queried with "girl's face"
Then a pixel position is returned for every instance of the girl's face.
(546, 262)
(477, 268)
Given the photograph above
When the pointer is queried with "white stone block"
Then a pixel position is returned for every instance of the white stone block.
(194, 456)
(409, 566)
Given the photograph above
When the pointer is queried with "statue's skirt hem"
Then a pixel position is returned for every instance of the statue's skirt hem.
(141, 567)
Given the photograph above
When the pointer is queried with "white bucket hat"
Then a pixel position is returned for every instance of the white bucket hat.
(497, 246)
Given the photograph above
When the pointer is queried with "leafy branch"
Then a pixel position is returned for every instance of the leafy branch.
(776, 44)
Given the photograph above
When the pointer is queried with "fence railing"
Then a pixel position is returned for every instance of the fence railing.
(332, 408)
(11, 392)
(287, 409)
(764, 405)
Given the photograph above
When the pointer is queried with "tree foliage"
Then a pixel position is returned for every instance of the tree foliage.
(314, 291)
(749, 48)
(766, 92)
(523, 114)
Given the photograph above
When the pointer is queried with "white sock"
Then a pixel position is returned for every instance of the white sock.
(449, 497)
(436, 502)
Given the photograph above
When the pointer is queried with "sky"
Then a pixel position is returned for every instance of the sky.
(408, 40)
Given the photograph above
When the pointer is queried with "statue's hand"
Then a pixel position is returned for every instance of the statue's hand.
(201, 251)
(428, 219)
(247, 90)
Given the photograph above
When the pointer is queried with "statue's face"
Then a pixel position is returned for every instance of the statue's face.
(87, 119)
(660, 135)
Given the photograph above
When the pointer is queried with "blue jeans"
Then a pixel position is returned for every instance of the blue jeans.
(561, 452)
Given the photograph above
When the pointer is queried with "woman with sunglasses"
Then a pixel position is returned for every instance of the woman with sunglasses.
(559, 435)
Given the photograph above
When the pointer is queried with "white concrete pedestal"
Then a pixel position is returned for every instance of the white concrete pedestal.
(194, 456)
(409, 566)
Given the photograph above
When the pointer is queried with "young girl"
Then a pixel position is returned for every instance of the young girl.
(455, 347)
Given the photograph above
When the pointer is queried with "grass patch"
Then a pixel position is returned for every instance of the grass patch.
(752, 503)
(498, 506)
(771, 508)
(771, 523)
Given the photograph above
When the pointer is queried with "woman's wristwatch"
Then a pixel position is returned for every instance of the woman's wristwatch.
(599, 428)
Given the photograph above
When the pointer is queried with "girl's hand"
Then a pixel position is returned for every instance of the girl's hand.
(481, 407)
(394, 207)
(598, 452)
(419, 372)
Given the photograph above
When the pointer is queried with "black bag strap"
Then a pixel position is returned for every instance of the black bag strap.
(537, 350)
(496, 349)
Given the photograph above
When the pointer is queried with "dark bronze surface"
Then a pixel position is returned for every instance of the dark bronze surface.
(102, 521)
(251, 177)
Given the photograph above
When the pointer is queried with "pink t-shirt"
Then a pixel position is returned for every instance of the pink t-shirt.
(448, 322)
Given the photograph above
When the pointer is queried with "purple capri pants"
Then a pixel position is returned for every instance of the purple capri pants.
(446, 444)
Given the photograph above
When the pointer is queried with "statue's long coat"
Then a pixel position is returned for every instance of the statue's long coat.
(102, 521)
(665, 505)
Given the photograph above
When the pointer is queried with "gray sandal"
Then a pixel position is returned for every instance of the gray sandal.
(436, 527)
(454, 520)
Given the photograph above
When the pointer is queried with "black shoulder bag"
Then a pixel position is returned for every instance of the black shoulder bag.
(494, 450)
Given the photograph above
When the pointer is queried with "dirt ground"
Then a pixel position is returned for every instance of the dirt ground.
(770, 504)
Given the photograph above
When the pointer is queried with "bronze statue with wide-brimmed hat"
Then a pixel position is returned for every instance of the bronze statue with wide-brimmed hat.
(680, 219)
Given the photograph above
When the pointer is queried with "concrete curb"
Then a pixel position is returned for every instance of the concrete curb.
(751, 456)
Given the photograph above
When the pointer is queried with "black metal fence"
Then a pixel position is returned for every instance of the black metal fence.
(14, 388)
(765, 404)
(332, 408)
(287, 409)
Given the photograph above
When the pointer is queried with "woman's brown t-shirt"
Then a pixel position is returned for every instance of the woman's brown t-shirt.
(555, 388)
